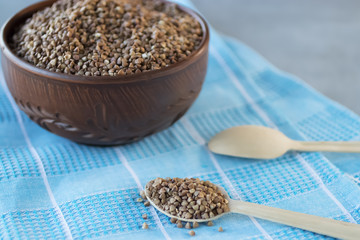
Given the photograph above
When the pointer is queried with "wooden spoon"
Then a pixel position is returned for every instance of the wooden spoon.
(250, 141)
(321, 225)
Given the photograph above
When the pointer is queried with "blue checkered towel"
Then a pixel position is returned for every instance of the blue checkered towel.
(52, 188)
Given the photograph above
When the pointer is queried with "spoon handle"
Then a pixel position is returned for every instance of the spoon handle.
(321, 225)
(327, 146)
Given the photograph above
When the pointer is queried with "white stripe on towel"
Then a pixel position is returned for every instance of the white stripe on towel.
(39, 163)
(200, 140)
(265, 117)
(125, 162)
(240, 87)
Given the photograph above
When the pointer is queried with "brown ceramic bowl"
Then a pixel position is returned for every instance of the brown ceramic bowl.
(103, 110)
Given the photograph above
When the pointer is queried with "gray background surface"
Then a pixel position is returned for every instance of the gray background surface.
(317, 40)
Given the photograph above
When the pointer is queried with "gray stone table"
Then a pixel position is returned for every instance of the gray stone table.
(317, 40)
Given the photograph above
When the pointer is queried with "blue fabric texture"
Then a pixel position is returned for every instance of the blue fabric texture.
(52, 188)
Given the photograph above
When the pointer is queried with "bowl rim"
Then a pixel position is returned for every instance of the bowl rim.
(125, 79)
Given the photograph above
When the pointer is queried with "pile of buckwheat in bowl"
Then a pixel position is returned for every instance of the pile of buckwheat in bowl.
(107, 37)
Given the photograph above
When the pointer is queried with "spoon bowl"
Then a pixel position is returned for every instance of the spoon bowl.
(261, 142)
(250, 142)
(325, 226)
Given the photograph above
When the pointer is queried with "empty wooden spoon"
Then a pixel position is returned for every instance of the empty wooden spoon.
(265, 143)
(321, 225)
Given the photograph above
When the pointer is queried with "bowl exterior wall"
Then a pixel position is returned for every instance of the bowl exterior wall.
(105, 114)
